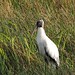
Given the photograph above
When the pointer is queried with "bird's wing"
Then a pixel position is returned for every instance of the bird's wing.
(51, 50)
(47, 54)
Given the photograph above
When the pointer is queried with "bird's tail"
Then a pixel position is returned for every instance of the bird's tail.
(58, 62)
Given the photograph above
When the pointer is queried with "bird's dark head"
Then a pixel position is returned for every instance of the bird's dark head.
(40, 23)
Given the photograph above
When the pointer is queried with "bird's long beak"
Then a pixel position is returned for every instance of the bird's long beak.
(34, 30)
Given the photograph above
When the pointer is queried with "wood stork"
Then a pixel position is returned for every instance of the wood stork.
(46, 47)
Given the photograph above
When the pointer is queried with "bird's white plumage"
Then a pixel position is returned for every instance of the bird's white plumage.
(44, 41)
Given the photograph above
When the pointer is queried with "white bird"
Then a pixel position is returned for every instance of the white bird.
(46, 47)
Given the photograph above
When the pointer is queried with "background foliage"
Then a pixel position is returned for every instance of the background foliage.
(18, 51)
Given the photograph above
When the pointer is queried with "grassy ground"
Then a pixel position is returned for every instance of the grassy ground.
(18, 51)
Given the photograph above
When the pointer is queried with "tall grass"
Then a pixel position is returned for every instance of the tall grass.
(18, 50)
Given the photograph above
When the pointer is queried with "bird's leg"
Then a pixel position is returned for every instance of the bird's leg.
(54, 64)
(45, 57)
(46, 60)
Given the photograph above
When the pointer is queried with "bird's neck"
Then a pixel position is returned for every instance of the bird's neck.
(41, 32)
